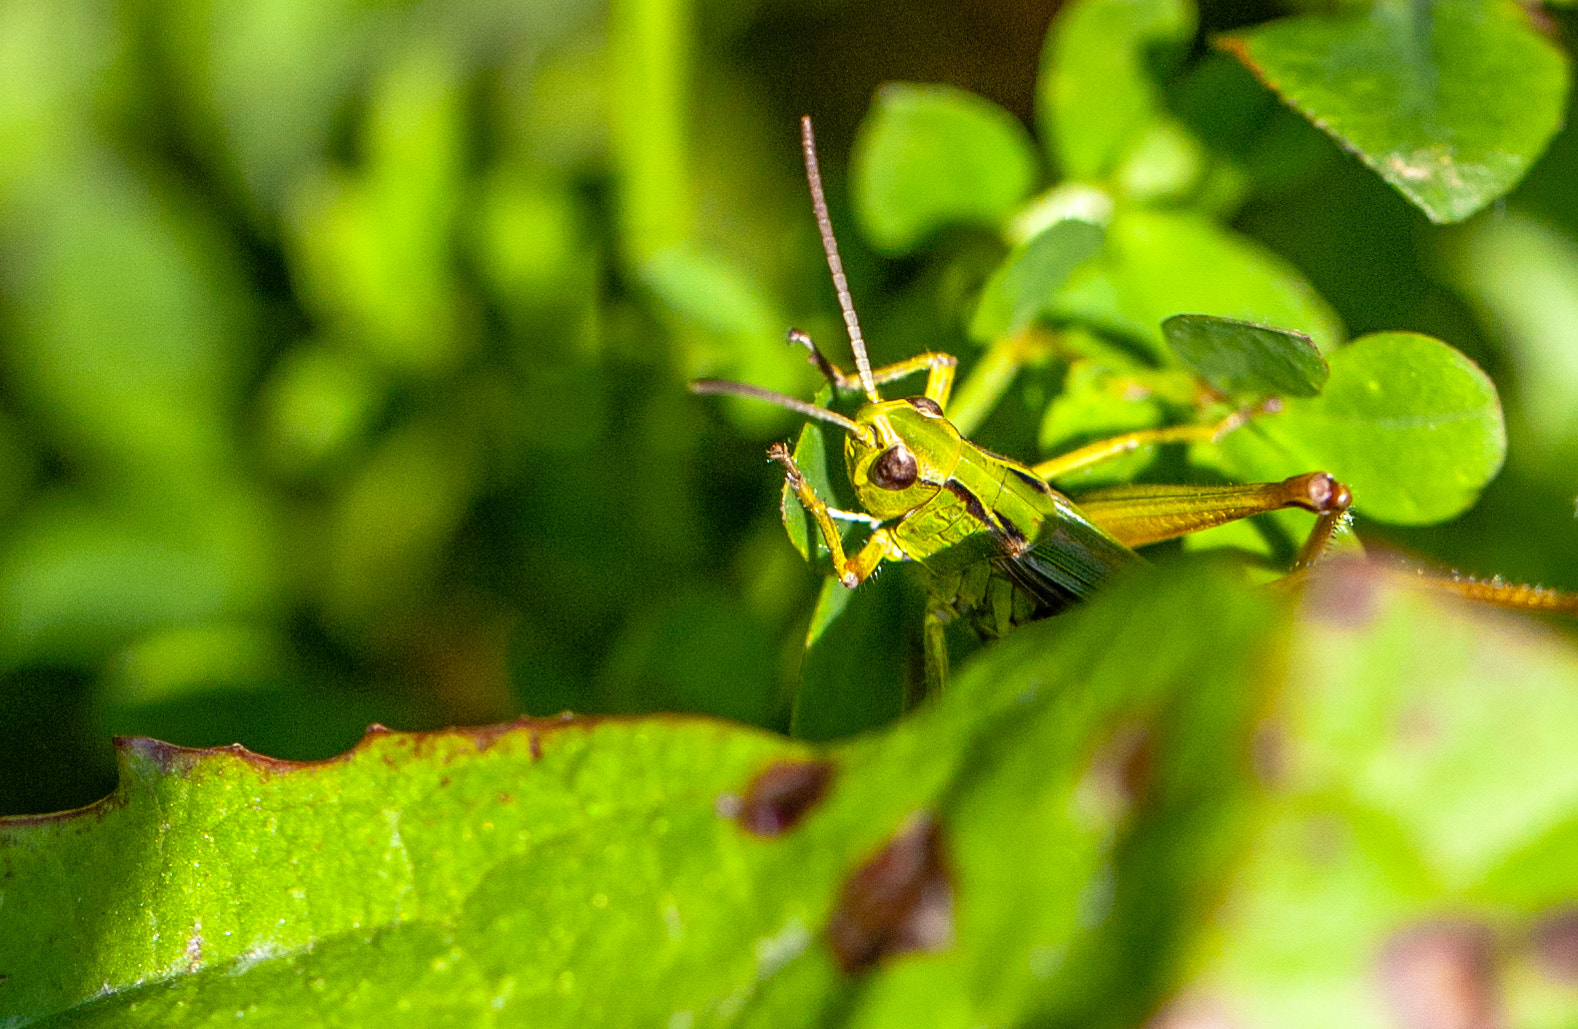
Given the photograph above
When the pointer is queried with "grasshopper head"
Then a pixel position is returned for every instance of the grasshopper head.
(899, 452)
(905, 453)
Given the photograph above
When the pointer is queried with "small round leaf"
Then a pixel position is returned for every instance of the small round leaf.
(1412, 426)
(929, 156)
(1100, 88)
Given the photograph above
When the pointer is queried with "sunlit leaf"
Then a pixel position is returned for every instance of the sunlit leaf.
(1448, 102)
(373, 247)
(140, 376)
(1413, 427)
(1160, 263)
(502, 872)
(1397, 833)
(1522, 275)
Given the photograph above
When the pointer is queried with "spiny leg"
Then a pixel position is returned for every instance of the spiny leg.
(851, 571)
(1137, 515)
(1319, 540)
(1504, 594)
(939, 370)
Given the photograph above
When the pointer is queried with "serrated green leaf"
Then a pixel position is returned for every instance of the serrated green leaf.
(1025, 285)
(1245, 359)
(1100, 84)
(1449, 102)
(508, 873)
(930, 156)
(1413, 427)
(1159, 263)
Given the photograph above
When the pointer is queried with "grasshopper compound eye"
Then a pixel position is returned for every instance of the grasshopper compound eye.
(894, 469)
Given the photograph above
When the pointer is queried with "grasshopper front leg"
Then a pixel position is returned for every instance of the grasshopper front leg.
(939, 369)
(851, 571)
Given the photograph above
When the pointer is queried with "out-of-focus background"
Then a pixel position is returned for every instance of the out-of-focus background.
(343, 349)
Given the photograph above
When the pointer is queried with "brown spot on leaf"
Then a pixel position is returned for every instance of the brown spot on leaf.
(1118, 774)
(1442, 975)
(1192, 1012)
(1345, 593)
(1130, 758)
(1542, 21)
(898, 902)
(1556, 945)
(781, 795)
(1268, 754)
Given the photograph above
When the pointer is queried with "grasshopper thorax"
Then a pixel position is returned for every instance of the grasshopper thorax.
(903, 458)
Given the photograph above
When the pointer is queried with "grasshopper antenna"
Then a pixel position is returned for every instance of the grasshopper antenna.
(741, 389)
(824, 225)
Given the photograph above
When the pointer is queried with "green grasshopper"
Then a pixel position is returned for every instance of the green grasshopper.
(997, 542)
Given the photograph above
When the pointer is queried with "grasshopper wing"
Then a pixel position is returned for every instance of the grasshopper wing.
(1070, 560)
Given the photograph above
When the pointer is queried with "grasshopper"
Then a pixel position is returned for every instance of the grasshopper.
(997, 542)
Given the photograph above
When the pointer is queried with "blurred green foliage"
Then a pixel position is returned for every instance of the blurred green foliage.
(342, 360)
(342, 345)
